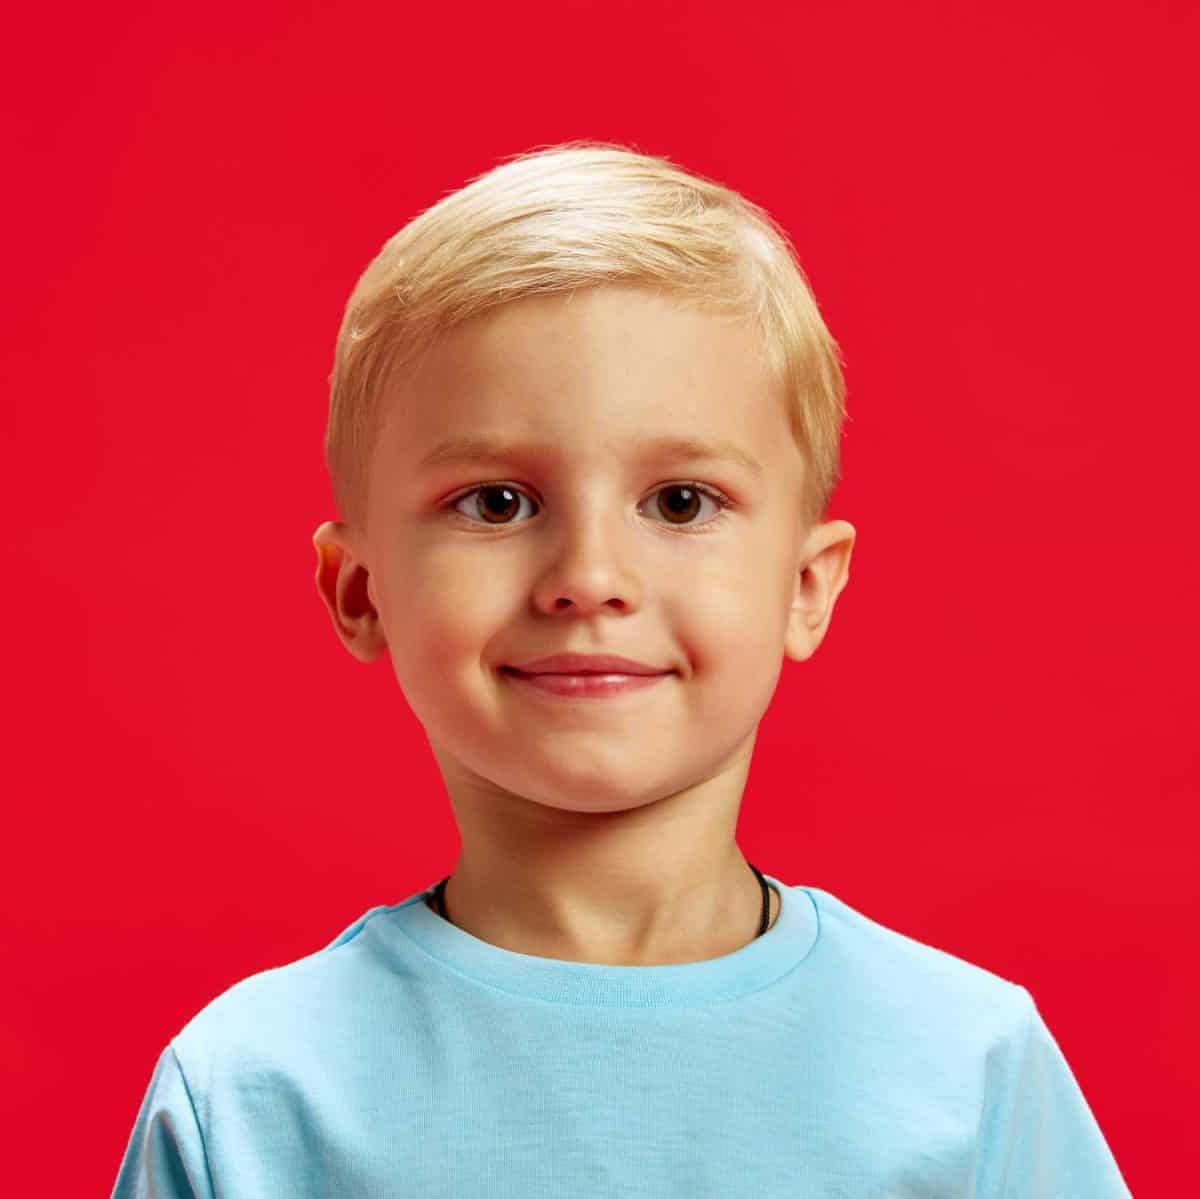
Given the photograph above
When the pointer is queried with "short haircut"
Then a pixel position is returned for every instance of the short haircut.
(574, 215)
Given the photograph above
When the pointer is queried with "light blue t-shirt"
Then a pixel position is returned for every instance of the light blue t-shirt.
(831, 1056)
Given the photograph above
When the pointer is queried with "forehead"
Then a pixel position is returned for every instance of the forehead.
(596, 371)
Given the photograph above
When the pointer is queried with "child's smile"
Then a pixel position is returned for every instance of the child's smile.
(608, 685)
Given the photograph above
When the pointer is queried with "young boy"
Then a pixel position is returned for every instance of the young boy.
(584, 431)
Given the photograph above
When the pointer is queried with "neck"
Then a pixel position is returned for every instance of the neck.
(691, 923)
(646, 883)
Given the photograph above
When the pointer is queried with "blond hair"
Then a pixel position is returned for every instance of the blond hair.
(568, 216)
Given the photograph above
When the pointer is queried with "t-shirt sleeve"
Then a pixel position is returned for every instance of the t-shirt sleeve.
(165, 1158)
(1039, 1138)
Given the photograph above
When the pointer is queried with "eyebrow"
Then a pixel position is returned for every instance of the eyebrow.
(685, 449)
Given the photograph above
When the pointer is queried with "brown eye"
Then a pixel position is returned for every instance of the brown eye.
(679, 510)
(493, 503)
(679, 503)
(497, 504)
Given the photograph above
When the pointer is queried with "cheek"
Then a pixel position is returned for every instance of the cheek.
(733, 620)
(445, 607)
(436, 640)
(733, 589)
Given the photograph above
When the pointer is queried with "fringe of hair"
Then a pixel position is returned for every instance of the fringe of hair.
(568, 216)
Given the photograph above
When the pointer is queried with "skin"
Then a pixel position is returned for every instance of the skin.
(597, 831)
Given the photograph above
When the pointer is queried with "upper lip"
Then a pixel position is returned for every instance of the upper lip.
(585, 664)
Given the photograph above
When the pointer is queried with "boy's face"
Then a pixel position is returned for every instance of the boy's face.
(594, 548)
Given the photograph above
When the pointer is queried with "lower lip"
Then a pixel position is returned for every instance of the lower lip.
(587, 686)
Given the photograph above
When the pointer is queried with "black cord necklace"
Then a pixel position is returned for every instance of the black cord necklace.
(439, 894)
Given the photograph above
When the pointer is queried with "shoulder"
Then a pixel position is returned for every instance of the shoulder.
(270, 1020)
(906, 975)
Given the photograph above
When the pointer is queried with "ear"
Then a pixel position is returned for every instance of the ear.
(823, 569)
(345, 586)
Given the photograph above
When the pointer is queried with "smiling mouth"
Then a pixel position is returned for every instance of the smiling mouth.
(590, 685)
(572, 674)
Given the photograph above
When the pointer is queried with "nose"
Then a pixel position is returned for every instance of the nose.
(589, 565)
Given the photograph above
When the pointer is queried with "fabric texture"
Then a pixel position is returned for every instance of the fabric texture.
(831, 1057)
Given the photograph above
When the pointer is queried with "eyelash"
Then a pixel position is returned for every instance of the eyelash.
(723, 502)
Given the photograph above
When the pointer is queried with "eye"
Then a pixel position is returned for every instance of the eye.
(492, 500)
(495, 502)
(682, 499)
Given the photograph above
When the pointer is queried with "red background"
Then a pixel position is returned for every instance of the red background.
(995, 749)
